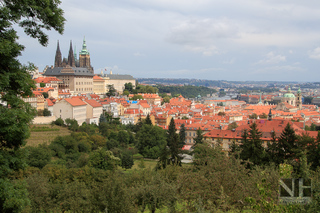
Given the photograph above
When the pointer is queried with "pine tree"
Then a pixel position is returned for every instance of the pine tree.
(287, 144)
(173, 141)
(272, 150)
(182, 135)
(199, 138)
(148, 120)
(251, 148)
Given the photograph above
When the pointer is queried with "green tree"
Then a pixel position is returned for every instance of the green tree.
(128, 86)
(42, 84)
(72, 124)
(15, 82)
(111, 90)
(102, 159)
(46, 112)
(59, 122)
(221, 113)
(126, 93)
(287, 144)
(199, 138)
(137, 97)
(253, 116)
(148, 120)
(126, 160)
(313, 154)
(251, 147)
(150, 140)
(232, 126)
(182, 135)
(45, 94)
(174, 145)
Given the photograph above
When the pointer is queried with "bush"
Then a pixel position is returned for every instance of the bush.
(59, 122)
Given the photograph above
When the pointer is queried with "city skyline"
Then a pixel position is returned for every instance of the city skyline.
(233, 40)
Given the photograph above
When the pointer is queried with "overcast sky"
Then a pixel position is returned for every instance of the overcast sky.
(202, 39)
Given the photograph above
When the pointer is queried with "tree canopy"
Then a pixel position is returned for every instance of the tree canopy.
(15, 82)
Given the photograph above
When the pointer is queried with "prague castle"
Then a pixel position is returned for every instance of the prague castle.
(77, 74)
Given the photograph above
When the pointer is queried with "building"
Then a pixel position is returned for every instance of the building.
(72, 108)
(76, 75)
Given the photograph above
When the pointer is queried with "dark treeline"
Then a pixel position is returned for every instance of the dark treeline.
(186, 91)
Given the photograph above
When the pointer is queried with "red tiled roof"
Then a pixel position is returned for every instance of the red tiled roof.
(75, 101)
(94, 103)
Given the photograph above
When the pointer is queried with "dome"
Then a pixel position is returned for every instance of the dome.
(289, 94)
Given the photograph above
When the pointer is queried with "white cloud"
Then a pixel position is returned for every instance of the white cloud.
(315, 54)
(271, 58)
(138, 54)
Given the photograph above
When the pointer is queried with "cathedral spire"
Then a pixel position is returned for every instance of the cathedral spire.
(58, 57)
(71, 60)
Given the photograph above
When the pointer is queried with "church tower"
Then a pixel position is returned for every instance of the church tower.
(84, 57)
(58, 58)
(71, 60)
(299, 100)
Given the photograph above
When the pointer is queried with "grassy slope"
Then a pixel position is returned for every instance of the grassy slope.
(45, 136)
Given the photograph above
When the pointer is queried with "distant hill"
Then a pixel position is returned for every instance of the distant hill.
(209, 83)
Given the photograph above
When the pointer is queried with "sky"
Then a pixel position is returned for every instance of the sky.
(260, 40)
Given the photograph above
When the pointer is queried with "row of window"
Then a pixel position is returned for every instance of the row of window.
(83, 89)
(83, 83)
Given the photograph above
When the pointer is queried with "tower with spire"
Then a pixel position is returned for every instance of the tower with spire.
(72, 61)
(299, 99)
(58, 57)
(84, 57)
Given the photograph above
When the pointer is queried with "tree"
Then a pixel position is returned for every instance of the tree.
(182, 134)
(45, 94)
(287, 144)
(111, 90)
(221, 113)
(126, 160)
(15, 82)
(199, 138)
(150, 140)
(232, 126)
(251, 147)
(253, 116)
(173, 142)
(128, 86)
(148, 120)
(137, 97)
(59, 122)
(46, 112)
(42, 84)
(102, 159)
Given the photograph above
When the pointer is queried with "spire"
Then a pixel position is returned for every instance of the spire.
(58, 57)
(84, 50)
(270, 115)
(71, 60)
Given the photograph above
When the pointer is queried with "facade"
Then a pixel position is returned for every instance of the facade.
(94, 109)
(73, 108)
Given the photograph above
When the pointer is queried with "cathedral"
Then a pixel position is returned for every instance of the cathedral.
(72, 61)
(75, 73)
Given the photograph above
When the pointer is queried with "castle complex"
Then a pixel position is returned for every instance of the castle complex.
(77, 74)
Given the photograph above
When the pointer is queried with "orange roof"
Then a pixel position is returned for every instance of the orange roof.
(97, 78)
(93, 103)
(46, 79)
(75, 101)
